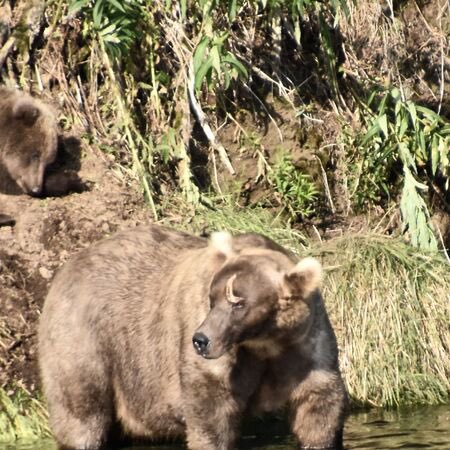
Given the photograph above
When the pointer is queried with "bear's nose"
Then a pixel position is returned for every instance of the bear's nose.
(200, 342)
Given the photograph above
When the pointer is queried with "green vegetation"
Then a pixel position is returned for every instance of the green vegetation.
(298, 192)
(256, 220)
(21, 416)
(137, 76)
(403, 142)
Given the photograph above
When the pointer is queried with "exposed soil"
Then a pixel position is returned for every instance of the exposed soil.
(46, 232)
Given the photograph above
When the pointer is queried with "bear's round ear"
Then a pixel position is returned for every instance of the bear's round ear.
(303, 279)
(222, 242)
(25, 111)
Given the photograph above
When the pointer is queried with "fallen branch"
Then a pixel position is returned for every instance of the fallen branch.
(202, 120)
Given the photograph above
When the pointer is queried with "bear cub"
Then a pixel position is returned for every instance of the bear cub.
(28, 142)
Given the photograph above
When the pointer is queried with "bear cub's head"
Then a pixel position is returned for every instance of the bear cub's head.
(29, 139)
(258, 297)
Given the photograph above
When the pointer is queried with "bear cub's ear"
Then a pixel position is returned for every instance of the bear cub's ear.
(303, 279)
(26, 111)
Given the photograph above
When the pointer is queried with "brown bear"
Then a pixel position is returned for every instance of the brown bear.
(28, 141)
(161, 334)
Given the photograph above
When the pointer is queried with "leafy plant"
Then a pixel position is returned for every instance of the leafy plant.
(114, 22)
(403, 142)
(211, 58)
(297, 190)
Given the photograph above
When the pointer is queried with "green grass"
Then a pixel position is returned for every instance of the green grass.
(22, 417)
(257, 220)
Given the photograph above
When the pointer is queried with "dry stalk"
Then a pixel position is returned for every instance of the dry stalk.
(326, 185)
(6, 49)
(203, 122)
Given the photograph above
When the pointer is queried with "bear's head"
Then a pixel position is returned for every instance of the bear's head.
(257, 297)
(30, 140)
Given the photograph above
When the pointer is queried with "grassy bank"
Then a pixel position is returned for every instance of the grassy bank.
(389, 305)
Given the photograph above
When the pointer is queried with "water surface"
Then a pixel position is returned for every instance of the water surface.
(419, 428)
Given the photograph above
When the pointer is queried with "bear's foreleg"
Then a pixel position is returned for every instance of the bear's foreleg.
(212, 422)
(317, 408)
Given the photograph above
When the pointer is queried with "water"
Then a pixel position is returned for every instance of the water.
(421, 428)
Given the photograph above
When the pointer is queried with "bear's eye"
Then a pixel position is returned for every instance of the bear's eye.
(239, 303)
(35, 156)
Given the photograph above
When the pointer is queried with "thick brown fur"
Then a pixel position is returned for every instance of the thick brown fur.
(116, 341)
(28, 141)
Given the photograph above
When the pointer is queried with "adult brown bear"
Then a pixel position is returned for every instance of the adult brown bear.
(28, 141)
(167, 335)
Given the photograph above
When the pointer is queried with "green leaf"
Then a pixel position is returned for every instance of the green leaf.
(215, 59)
(422, 144)
(413, 113)
(232, 60)
(202, 72)
(397, 108)
(396, 94)
(227, 79)
(415, 215)
(444, 155)
(97, 14)
(76, 6)
(297, 32)
(382, 122)
(374, 130)
(435, 154)
(220, 40)
(183, 4)
(117, 5)
(232, 8)
(406, 157)
(199, 53)
(403, 125)
(427, 112)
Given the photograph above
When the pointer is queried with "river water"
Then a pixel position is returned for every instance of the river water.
(419, 428)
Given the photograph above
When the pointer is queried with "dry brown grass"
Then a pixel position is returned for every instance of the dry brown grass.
(390, 306)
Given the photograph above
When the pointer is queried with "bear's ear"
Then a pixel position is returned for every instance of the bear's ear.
(26, 111)
(303, 279)
(222, 243)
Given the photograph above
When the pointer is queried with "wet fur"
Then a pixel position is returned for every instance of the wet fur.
(115, 344)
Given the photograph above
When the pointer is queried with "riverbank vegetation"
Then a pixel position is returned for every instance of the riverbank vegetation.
(324, 125)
